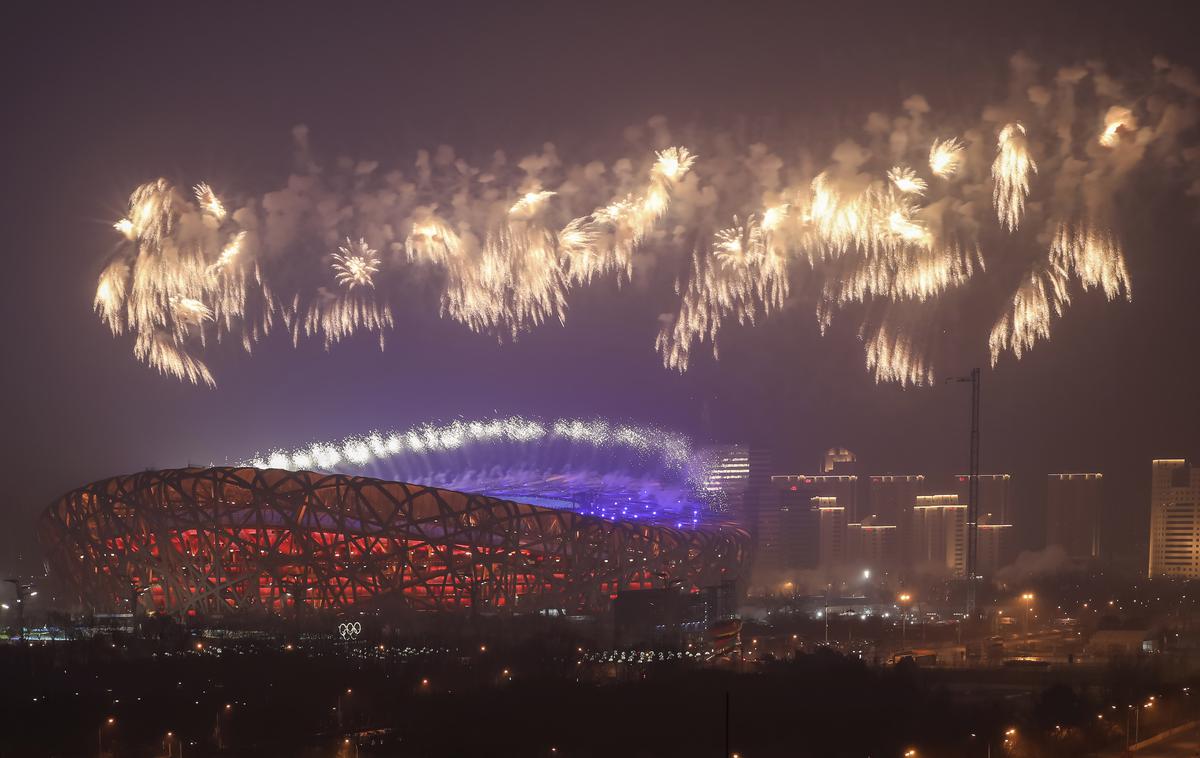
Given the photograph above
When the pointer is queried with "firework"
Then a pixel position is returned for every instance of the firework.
(945, 156)
(1010, 175)
(1041, 296)
(907, 181)
(673, 163)
(1094, 256)
(1117, 120)
(337, 317)
(841, 221)
(517, 284)
(189, 310)
(774, 217)
(433, 240)
(504, 246)
(530, 203)
(151, 212)
(110, 295)
(229, 252)
(361, 450)
(905, 228)
(744, 277)
(577, 247)
(125, 227)
(1081, 251)
(355, 264)
(894, 357)
(209, 202)
(161, 351)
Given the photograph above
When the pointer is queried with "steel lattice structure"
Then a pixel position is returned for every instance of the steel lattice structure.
(217, 540)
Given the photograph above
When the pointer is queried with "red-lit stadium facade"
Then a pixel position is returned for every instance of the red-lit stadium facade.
(221, 540)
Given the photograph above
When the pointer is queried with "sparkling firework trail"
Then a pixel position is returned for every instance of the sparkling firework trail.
(1042, 296)
(361, 450)
(209, 201)
(506, 244)
(1010, 175)
(893, 357)
(230, 252)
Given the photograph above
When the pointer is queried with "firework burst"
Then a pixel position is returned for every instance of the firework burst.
(355, 264)
(504, 245)
(1010, 175)
(945, 156)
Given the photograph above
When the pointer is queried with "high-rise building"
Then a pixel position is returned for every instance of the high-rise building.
(994, 490)
(839, 460)
(788, 534)
(1174, 519)
(1073, 508)
(854, 543)
(738, 481)
(832, 530)
(842, 486)
(938, 534)
(890, 499)
(879, 548)
(993, 548)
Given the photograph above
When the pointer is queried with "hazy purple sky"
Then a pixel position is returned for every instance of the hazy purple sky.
(98, 100)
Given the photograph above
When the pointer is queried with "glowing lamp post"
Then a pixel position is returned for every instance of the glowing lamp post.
(1137, 721)
(904, 599)
(341, 708)
(169, 742)
(220, 733)
(1027, 598)
(110, 721)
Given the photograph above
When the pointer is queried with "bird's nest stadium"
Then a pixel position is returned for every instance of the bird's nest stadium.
(216, 541)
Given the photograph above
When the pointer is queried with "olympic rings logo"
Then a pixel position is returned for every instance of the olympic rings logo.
(350, 630)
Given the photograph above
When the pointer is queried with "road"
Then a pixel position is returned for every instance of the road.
(1186, 745)
(1183, 746)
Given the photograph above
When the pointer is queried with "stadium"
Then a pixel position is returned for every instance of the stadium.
(223, 540)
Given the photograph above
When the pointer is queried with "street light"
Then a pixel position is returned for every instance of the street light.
(23, 590)
(1137, 721)
(220, 735)
(1027, 598)
(100, 734)
(340, 708)
(904, 599)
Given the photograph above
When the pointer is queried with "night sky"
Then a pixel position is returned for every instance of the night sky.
(99, 100)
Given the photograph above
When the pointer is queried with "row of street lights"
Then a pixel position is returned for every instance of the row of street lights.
(1009, 735)
(171, 741)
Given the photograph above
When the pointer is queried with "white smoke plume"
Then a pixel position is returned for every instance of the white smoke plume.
(1034, 564)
